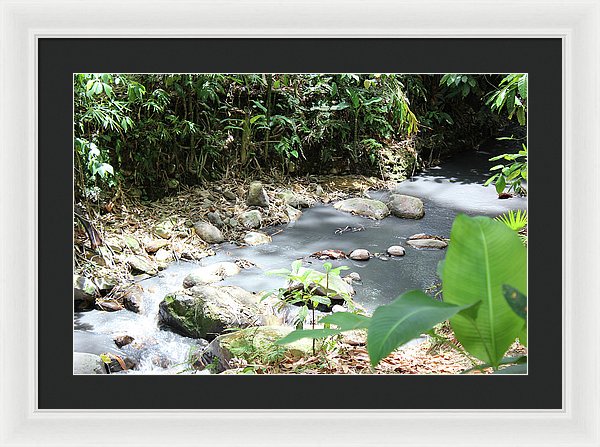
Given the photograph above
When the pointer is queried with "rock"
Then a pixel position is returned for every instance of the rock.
(422, 240)
(108, 305)
(373, 209)
(360, 254)
(114, 365)
(210, 274)
(86, 363)
(162, 258)
(105, 284)
(219, 353)
(352, 277)
(208, 232)
(206, 311)
(256, 238)
(293, 213)
(229, 196)
(132, 243)
(132, 298)
(155, 245)
(294, 200)
(251, 219)
(165, 228)
(142, 264)
(215, 219)
(233, 223)
(329, 254)
(257, 195)
(395, 250)
(407, 207)
(84, 293)
(123, 340)
(319, 191)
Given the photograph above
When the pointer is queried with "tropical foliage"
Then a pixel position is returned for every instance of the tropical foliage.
(154, 133)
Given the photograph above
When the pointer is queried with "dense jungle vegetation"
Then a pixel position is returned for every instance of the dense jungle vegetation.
(153, 133)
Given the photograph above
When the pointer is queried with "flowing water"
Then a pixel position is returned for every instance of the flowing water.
(452, 188)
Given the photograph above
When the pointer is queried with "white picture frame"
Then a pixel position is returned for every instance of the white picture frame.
(576, 23)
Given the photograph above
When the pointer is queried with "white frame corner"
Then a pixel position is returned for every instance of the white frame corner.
(22, 22)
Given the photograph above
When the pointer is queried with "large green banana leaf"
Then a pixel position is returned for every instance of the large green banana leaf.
(483, 255)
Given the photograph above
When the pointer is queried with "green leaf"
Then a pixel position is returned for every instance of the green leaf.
(299, 334)
(500, 184)
(522, 86)
(340, 106)
(320, 300)
(346, 321)
(516, 300)
(406, 318)
(521, 116)
(484, 254)
(255, 118)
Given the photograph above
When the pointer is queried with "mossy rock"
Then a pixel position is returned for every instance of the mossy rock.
(206, 311)
(373, 209)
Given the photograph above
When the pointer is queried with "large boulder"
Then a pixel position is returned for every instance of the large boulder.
(84, 293)
(407, 207)
(250, 345)
(251, 219)
(257, 195)
(207, 311)
(86, 363)
(210, 274)
(370, 208)
(208, 232)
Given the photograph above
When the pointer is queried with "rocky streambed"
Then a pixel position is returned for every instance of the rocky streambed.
(177, 321)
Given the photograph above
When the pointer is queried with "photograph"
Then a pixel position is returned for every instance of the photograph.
(300, 223)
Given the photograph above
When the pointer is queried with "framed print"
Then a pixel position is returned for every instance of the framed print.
(56, 60)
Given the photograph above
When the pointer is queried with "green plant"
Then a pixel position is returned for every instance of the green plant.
(511, 95)
(484, 257)
(512, 175)
(515, 220)
(306, 287)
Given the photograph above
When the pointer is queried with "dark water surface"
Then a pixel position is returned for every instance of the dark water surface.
(453, 188)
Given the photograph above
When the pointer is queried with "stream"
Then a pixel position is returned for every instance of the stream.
(454, 187)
